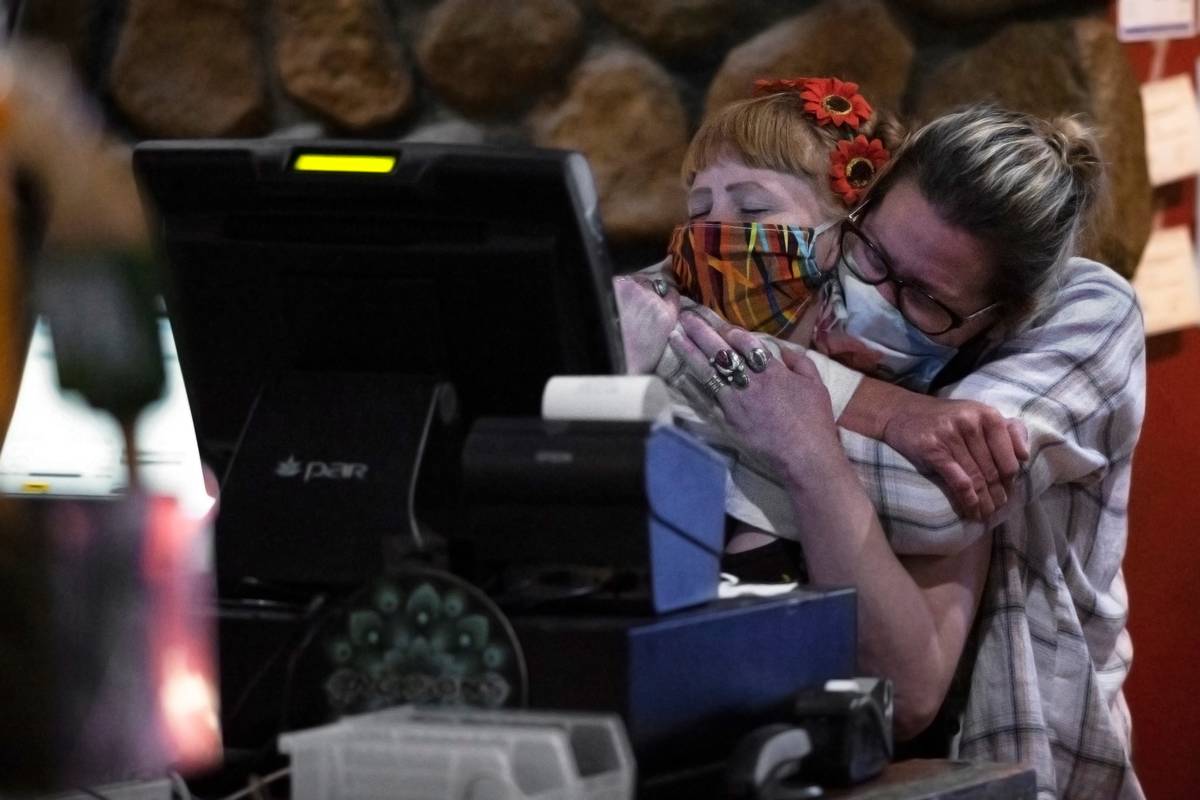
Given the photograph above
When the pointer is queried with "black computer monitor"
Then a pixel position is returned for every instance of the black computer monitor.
(313, 275)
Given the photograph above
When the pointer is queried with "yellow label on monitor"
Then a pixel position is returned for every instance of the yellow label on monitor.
(35, 487)
(330, 162)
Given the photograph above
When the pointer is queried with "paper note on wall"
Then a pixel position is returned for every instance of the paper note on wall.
(1167, 281)
(1172, 129)
(1140, 20)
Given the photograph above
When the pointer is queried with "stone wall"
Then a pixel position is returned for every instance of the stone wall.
(624, 81)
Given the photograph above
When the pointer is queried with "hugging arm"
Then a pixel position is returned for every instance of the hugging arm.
(1072, 378)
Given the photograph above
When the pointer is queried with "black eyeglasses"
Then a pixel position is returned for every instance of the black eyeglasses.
(871, 265)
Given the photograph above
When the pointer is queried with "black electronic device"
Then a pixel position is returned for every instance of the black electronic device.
(591, 515)
(850, 725)
(838, 734)
(767, 762)
(323, 290)
(328, 476)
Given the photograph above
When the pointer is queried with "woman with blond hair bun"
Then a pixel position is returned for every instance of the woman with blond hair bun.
(962, 257)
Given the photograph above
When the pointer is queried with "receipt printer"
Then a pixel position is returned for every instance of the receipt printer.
(587, 513)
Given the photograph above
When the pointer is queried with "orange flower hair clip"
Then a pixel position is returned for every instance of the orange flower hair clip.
(835, 103)
(854, 164)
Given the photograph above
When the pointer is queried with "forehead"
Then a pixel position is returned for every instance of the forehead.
(790, 198)
(950, 261)
(731, 172)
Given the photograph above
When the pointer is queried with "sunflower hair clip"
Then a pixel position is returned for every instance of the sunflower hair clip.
(834, 103)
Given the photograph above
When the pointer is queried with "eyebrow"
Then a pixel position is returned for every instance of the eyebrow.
(947, 296)
(742, 186)
(916, 283)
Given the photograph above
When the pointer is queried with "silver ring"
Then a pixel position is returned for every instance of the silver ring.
(727, 363)
(756, 359)
(740, 379)
(714, 384)
(659, 286)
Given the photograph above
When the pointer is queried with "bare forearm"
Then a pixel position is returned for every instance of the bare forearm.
(901, 635)
(870, 406)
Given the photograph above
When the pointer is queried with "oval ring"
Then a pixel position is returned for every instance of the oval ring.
(728, 362)
(756, 359)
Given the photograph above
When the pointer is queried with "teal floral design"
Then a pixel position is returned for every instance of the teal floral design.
(419, 644)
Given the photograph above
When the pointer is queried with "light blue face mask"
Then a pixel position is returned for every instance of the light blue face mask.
(907, 356)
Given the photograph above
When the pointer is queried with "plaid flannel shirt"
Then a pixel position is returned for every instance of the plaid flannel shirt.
(1050, 648)
(1050, 644)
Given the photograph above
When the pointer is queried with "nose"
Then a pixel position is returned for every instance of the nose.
(890, 291)
(722, 209)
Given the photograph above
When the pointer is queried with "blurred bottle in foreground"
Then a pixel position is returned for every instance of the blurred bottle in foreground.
(106, 647)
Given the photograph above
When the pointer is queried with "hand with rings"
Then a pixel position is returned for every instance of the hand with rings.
(778, 406)
(649, 309)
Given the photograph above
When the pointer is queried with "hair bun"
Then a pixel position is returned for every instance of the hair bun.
(1078, 146)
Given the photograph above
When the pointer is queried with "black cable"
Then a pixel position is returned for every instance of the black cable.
(297, 649)
(414, 524)
(313, 607)
(314, 626)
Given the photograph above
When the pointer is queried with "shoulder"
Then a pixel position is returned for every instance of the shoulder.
(1091, 326)
(1089, 300)
(1092, 283)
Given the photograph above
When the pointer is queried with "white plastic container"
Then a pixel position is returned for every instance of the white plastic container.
(425, 754)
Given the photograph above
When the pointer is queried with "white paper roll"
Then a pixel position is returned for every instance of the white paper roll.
(606, 397)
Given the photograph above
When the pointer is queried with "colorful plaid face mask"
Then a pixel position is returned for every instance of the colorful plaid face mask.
(755, 275)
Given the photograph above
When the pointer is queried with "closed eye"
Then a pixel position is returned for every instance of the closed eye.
(913, 281)
(877, 264)
(699, 202)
